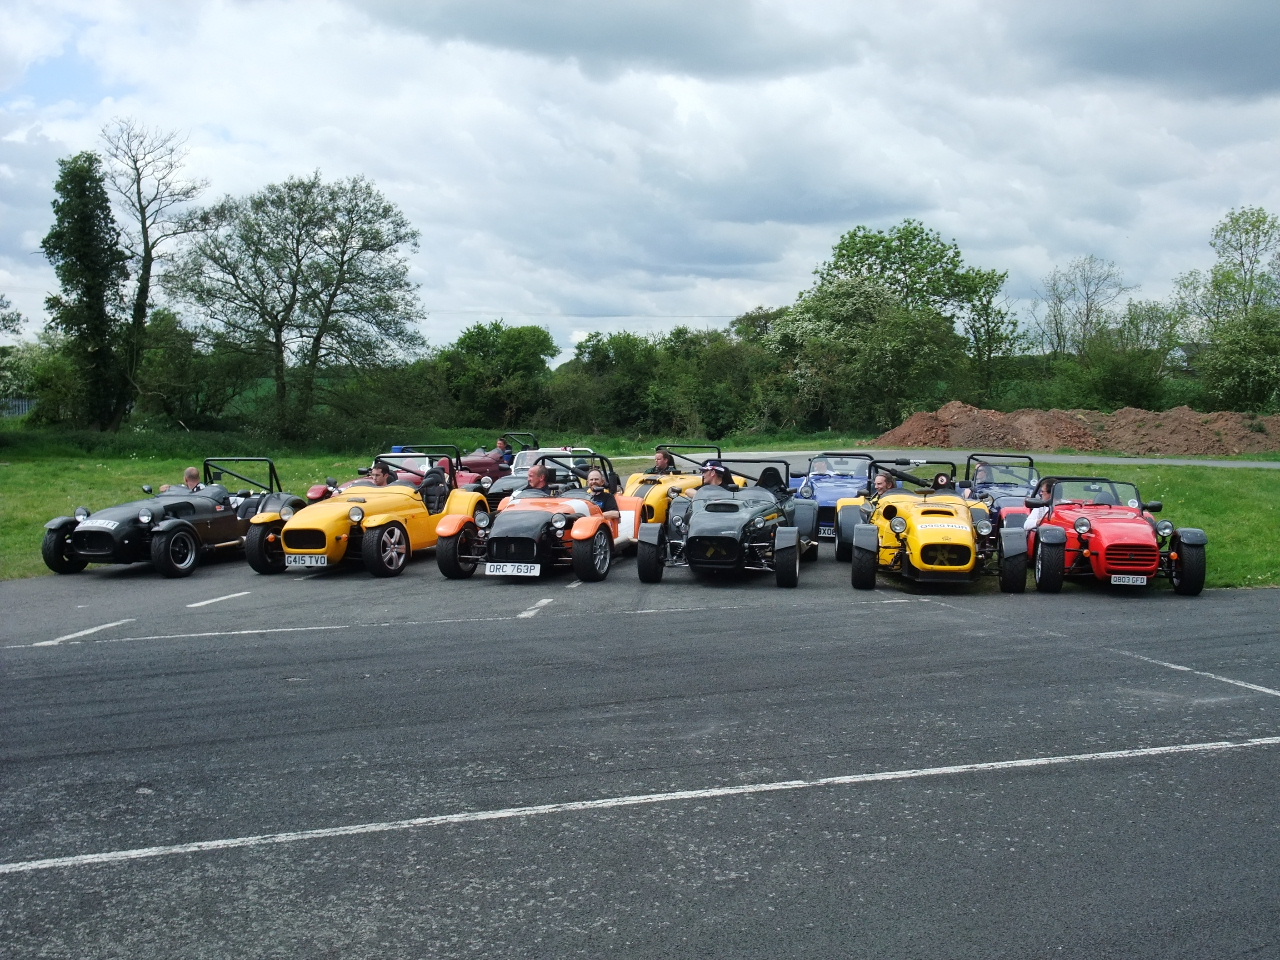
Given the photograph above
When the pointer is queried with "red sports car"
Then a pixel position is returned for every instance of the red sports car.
(1099, 528)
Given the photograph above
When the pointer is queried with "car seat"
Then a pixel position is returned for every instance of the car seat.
(1106, 499)
(771, 480)
(435, 489)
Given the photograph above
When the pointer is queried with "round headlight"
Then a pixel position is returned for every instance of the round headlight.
(1165, 528)
(486, 482)
(757, 523)
(898, 525)
(1082, 525)
(677, 522)
(82, 513)
(559, 521)
(482, 519)
(983, 527)
(356, 514)
(806, 491)
(287, 511)
(144, 515)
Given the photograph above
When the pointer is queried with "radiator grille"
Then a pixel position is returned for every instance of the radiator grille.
(1132, 557)
(945, 555)
(512, 550)
(304, 539)
(712, 550)
(93, 541)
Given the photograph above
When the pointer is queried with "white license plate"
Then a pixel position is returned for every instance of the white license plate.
(512, 569)
(305, 560)
(1128, 580)
(826, 529)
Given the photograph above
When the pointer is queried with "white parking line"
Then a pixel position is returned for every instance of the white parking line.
(1201, 673)
(576, 583)
(179, 636)
(575, 806)
(229, 596)
(533, 611)
(82, 633)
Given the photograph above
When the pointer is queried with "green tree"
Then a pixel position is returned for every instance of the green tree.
(85, 253)
(10, 319)
(497, 375)
(307, 277)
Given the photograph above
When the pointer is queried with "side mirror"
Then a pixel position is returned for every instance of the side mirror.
(331, 481)
(1155, 506)
(146, 488)
(244, 493)
(364, 471)
(215, 476)
(964, 485)
(1033, 502)
(800, 475)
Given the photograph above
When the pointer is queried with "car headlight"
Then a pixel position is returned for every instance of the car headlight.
(486, 483)
(355, 514)
(559, 521)
(806, 491)
(983, 527)
(898, 525)
(144, 515)
(677, 522)
(757, 523)
(483, 519)
(287, 511)
(82, 513)
(1082, 525)
(1165, 528)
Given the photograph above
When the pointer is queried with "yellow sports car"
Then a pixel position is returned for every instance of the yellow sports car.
(657, 486)
(920, 529)
(380, 525)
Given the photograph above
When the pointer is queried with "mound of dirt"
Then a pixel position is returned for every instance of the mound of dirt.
(1178, 432)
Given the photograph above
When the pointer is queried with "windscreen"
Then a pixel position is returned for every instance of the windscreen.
(1097, 492)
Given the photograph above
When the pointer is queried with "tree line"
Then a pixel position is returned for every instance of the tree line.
(290, 313)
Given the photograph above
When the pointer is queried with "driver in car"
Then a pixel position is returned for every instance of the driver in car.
(382, 475)
(600, 495)
(190, 480)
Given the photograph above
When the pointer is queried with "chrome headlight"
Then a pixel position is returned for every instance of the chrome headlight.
(559, 521)
(898, 525)
(1082, 525)
(82, 513)
(287, 511)
(482, 519)
(677, 522)
(144, 515)
(486, 483)
(806, 491)
(983, 527)
(757, 523)
(355, 514)
(1165, 528)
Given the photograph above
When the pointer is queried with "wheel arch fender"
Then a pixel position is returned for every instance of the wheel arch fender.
(1013, 541)
(175, 523)
(847, 519)
(786, 537)
(1191, 536)
(1047, 533)
(453, 523)
(464, 502)
(866, 536)
(651, 533)
(267, 516)
(584, 528)
(58, 522)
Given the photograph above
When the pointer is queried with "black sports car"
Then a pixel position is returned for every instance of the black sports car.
(173, 528)
(761, 526)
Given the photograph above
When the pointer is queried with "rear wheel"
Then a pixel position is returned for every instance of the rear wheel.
(787, 566)
(1013, 574)
(264, 554)
(844, 548)
(385, 550)
(176, 553)
(57, 552)
(1051, 562)
(1189, 570)
(453, 553)
(650, 561)
(863, 575)
(591, 558)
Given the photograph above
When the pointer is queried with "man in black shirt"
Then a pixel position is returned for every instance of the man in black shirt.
(600, 495)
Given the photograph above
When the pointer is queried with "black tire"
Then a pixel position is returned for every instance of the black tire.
(863, 573)
(844, 548)
(650, 561)
(1051, 564)
(1013, 574)
(175, 553)
(1189, 570)
(591, 558)
(449, 551)
(265, 556)
(385, 550)
(786, 566)
(56, 550)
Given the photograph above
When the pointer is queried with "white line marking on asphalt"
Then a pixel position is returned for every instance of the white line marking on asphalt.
(609, 803)
(229, 596)
(309, 576)
(82, 633)
(533, 611)
(182, 636)
(576, 583)
(1201, 673)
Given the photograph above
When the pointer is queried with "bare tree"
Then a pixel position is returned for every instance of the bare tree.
(144, 170)
(1077, 304)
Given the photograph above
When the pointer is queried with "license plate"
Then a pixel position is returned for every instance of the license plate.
(826, 529)
(512, 569)
(305, 560)
(1128, 580)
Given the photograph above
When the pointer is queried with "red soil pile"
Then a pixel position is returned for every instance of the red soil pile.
(1178, 432)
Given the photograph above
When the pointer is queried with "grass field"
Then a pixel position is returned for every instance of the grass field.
(1239, 508)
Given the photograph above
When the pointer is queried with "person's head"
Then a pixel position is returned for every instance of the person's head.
(381, 474)
(191, 478)
(713, 473)
(820, 466)
(595, 478)
(982, 474)
(663, 460)
(502, 445)
(538, 476)
(882, 482)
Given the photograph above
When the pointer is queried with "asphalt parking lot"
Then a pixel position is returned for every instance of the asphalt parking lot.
(333, 765)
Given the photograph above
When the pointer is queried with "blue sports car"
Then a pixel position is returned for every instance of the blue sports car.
(831, 476)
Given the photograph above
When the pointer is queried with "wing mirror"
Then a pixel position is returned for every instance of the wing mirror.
(364, 471)
(1034, 502)
(146, 488)
(331, 481)
(244, 493)
(215, 476)
(1155, 506)
(964, 485)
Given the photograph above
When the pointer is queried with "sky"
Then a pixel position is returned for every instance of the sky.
(639, 165)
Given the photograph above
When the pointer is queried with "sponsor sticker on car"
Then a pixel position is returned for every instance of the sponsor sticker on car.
(305, 560)
(512, 569)
(942, 526)
(1129, 580)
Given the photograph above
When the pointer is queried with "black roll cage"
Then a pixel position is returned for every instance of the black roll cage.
(671, 448)
(995, 459)
(891, 467)
(597, 460)
(217, 465)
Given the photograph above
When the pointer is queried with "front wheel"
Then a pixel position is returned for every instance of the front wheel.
(263, 548)
(1013, 574)
(452, 554)
(176, 553)
(1051, 563)
(385, 550)
(649, 562)
(591, 558)
(786, 566)
(57, 552)
(863, 574)
(1188, 570)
